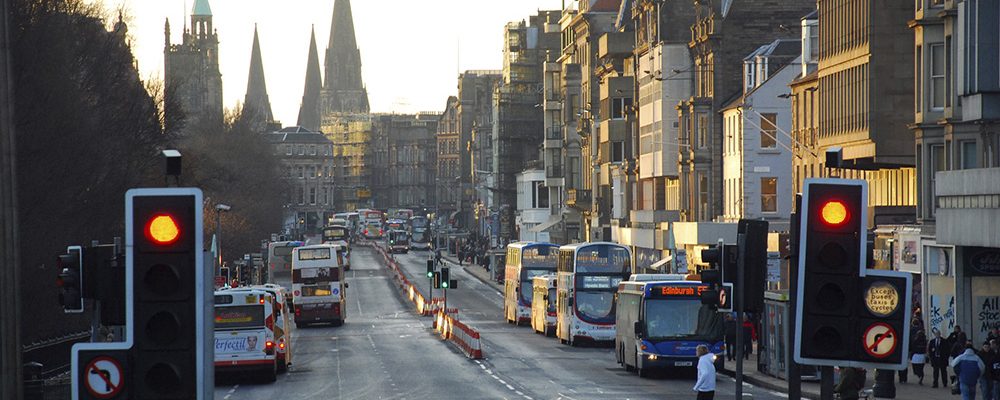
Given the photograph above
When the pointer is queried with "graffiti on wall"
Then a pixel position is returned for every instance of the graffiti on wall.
(942, 313)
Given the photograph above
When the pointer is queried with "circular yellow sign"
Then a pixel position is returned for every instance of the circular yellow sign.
(882, 298)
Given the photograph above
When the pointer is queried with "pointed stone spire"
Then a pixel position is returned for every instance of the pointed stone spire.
(256, 104)
(344, 89)
(201, 7)
(309, 110)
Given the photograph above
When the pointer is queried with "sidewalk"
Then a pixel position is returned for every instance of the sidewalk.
(810, 390)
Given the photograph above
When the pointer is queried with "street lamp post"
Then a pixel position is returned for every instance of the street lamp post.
(219, 209)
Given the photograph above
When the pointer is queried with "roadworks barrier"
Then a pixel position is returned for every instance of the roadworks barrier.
(446, 321)
(466, 338)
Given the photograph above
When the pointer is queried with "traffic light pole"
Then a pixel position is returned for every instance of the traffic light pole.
(740, 297)
(794, 370)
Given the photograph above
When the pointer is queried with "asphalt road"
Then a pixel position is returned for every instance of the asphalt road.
(385, 351)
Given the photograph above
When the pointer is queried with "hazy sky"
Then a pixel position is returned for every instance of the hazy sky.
(409, 48)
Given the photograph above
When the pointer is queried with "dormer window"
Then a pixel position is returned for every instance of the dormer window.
(748, 76)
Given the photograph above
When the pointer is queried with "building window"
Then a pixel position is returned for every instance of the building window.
(617, 151)
(969, 156)
(539, 195)
(312, 149)
(302, 172)
(768, 130)
(620, 107)
(702, 130)
(302, 149)
(937, 94)
(748, 81)
(769, 195)
(703, 197)
(288, 149)
(302, 197)
(312, 195)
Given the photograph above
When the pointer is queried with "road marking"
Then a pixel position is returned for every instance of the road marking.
(360, 312)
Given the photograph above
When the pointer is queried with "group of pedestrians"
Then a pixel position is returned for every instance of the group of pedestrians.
(972, 368)
(749, 336)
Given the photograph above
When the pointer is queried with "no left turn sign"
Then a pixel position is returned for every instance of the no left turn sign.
(104, 377)
(880, 340)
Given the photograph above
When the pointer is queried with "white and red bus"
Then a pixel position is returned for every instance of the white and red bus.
(524, 261)
(587, 279)
(318, 284)
(245, 337)
(372, 224)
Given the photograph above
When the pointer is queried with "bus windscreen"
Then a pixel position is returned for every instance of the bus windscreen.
(540, 257)
(283, 251)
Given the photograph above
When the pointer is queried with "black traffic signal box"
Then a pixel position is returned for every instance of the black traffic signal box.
(831, 242)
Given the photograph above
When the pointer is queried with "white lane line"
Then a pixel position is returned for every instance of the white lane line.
(360, 312)
(510, 387)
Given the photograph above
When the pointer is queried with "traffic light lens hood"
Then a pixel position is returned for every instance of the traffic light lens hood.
(162, 279)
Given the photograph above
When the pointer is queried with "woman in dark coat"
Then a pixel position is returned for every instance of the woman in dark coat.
(918, 348)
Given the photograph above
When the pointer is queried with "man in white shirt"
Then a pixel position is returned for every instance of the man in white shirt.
(705, 386)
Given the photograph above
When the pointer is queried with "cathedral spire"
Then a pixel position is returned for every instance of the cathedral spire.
(256, 104)
(309, 110)
(345, 91)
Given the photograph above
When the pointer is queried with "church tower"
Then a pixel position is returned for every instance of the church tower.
(309, 110)
(344, 90)
(256, 105)
(191, 70)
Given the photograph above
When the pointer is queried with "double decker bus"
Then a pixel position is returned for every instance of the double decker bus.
(245, 338)
(399, 241)
(587, 278)
(396, 225)
(372, 224)
(279, 259)
(403, 214)
(543, 304)
(318, 285)
(420, 235)
(660, 324)
(524, 261)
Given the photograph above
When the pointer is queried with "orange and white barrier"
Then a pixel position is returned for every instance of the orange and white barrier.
(462, 335)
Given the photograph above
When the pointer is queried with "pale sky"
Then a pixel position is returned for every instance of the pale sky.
(411, 50)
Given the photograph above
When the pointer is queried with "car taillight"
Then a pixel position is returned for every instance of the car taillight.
(298, 311)
(281, 345)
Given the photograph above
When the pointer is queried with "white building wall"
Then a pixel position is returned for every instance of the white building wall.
(667, 83)
(529, 212)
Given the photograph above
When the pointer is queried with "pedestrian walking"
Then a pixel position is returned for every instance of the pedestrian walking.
(749, 335)
(731, 326)
(985, 378)
(919, 349)
(994, 369)
(957, 342)
(968, 367)
(938, 358)
(705, 386)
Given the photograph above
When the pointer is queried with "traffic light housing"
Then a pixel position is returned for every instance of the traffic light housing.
(165, 255)
(444, 278)
(831, 257)
(430, 269)
(750, 256)
(70, 281)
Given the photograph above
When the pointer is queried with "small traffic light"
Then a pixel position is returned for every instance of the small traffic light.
(430, 268)
(444, 278)
(711, 256)
(70, 281)
(751, 258)
(831, 256)
(713, 279)
(437, 280)
(166, 266)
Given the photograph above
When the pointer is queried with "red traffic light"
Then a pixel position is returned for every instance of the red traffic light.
(834, 212)
(162, 229)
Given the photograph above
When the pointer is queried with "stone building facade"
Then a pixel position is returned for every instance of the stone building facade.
(192, 79)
